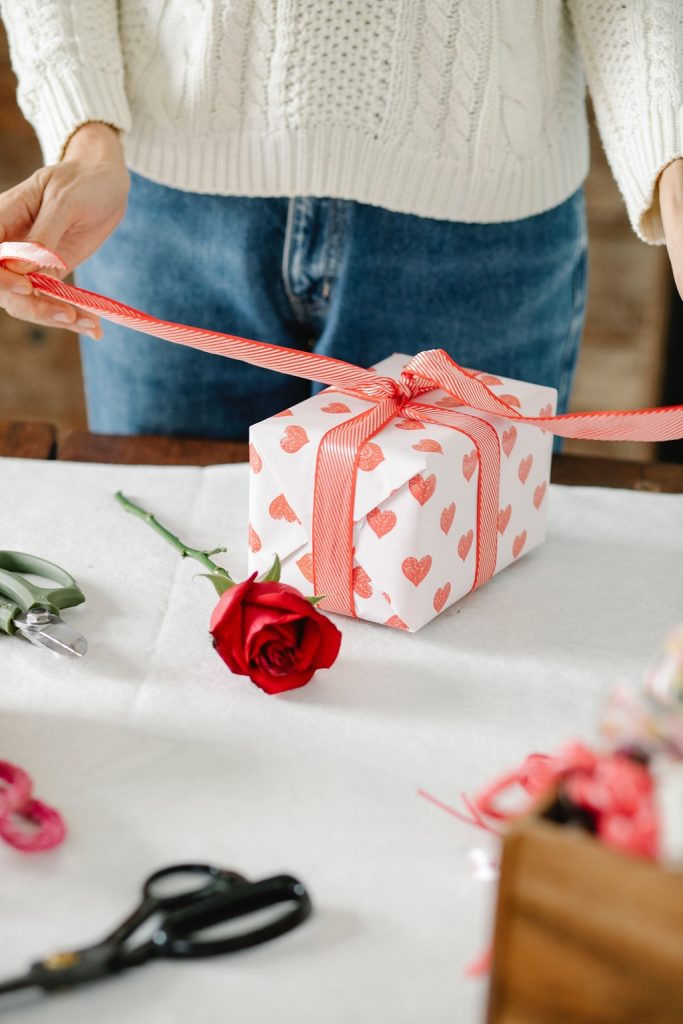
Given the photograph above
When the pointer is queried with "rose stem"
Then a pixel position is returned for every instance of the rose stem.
(185, 552)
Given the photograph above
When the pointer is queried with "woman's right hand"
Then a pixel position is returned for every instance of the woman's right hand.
(70, 208)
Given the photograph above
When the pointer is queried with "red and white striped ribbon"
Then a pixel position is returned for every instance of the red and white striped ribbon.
(337, 462)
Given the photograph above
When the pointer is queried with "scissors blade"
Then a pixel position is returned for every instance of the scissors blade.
(16, 984)
(48, 630)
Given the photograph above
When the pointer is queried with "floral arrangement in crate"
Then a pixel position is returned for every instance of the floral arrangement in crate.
(627, 790)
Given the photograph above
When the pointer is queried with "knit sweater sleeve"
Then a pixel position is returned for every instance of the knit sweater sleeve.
(633, 57)
(68, 62)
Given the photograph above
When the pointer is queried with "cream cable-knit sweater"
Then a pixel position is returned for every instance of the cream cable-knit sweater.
(467, 110)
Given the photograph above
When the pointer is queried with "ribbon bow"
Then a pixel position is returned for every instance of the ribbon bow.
(340, 449)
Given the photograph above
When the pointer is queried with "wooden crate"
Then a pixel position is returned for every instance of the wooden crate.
(584, 935)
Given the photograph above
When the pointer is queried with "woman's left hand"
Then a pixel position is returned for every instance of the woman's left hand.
(671, 205)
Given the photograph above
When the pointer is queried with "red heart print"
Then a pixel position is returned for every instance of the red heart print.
(362, 584)
(447, 517)
(254, 540)
(427, 445)
(510, 399)
(504, 518)
(305, 564)
(509, 438)
(525, 468)
(409, 425)
(469, 464)
(280, 508)
(370, 456)
(448, 402)
(421, 488)
(518, 543)
(441, 596)
(415, 569)
(335, 407)
(285, 412)
(293, 439)
(489, 379)
(539, 494)
(465, 543)
(381, 522)
(396, 621)
(255, 460)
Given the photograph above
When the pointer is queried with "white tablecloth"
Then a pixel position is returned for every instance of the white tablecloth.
(156, 754)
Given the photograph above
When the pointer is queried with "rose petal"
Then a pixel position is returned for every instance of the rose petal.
(270, 632)
(275, 657)
(259, 630)
(280, 684)
(309, 644)
(279, 596)
(226, 626)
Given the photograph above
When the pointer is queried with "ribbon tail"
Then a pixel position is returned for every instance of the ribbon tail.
(324, 369)
(310, 365)
(661, 424)
(431, 368)
(655, 424)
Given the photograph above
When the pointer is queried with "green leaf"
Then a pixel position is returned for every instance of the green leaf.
(273, 574)
(316, 600)
(221, 583)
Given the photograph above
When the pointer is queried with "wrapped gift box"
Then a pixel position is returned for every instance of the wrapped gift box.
(583, 933)
(415, 521)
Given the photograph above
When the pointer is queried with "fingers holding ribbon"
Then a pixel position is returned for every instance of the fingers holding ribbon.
(26, 824)
(20, 299)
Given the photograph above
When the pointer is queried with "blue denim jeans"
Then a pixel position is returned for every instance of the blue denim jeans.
(339, 277)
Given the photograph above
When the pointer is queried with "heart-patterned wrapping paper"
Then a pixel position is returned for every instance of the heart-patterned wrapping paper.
(415, 512)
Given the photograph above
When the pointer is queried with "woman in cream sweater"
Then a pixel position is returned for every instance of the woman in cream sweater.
(353, 176)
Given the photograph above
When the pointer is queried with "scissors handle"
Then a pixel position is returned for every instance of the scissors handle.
(224, 896)
(179, 935)
(23, 595)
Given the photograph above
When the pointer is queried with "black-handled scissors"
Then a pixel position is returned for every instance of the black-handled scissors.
(187, 899)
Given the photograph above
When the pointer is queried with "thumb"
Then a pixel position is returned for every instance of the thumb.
(28, 215)
(51, 224)
(19, 206)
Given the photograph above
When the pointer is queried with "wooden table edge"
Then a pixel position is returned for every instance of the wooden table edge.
(148, 450)
(592, 471)
(20, 439)
(583, 470)
(43, 441)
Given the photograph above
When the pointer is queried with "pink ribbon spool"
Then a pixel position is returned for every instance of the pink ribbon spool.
(51, 830)
(17, 793)
(18, 809)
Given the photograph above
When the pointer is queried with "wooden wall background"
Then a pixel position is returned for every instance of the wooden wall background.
(621, 364)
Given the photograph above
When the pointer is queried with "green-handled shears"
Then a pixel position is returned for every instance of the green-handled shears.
(32, 611)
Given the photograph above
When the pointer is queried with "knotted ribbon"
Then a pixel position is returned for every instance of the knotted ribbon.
(26, 824)
(340, 448)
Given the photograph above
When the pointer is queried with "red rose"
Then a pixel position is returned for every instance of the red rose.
(271, 633)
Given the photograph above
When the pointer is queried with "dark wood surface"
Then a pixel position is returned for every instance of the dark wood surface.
(41, 441)
(659, 477)
(81, 446)
(27, 440)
